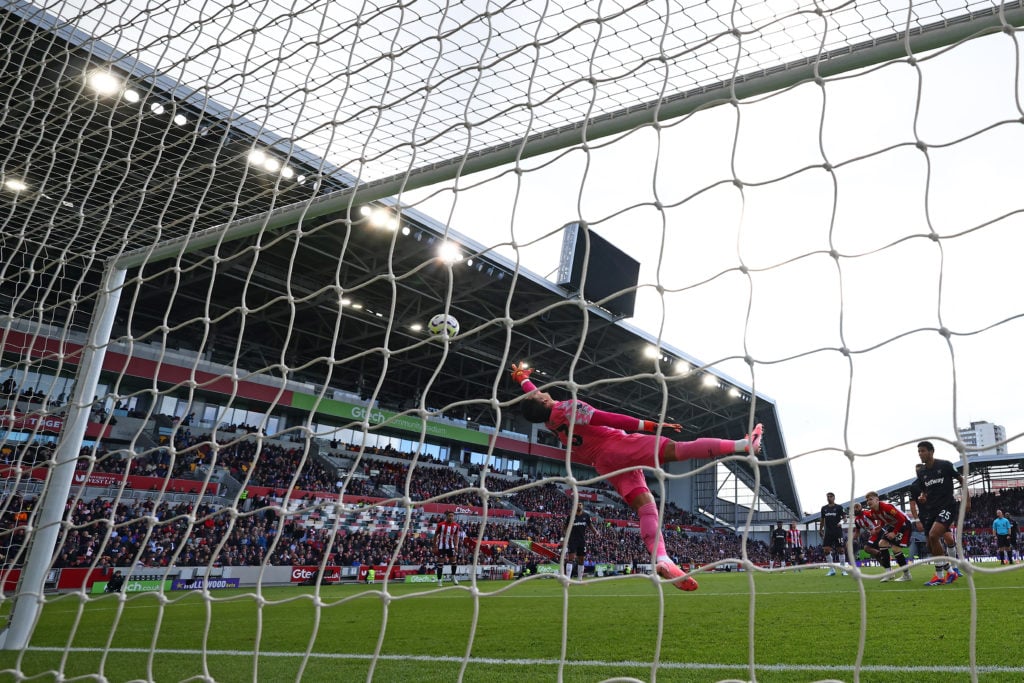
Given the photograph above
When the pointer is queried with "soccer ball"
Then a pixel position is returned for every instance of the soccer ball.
(443, 324)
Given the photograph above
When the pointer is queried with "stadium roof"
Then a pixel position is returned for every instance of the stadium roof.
(105, 176)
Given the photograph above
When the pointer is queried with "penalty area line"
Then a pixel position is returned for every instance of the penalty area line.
(697, 666)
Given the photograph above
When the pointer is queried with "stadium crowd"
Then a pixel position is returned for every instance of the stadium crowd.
(134, 531)
(142, 533)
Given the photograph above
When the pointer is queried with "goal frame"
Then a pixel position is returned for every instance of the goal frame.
(28, 600)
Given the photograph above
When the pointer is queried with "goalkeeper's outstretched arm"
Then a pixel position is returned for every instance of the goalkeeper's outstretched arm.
(599, 418)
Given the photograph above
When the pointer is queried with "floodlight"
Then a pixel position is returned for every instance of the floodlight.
(449, 252)
(104, 83)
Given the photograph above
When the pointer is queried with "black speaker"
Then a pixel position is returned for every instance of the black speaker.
(608, 270)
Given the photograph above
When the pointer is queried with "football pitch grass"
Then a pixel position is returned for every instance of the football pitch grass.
(806, 627)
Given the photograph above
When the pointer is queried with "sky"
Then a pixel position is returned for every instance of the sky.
(869, 212)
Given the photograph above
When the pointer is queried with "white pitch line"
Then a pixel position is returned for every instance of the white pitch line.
(447, 594)
(881, 668)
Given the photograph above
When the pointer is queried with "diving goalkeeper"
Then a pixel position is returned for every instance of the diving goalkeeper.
(603, 441)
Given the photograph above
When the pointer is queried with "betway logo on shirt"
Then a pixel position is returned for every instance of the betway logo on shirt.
(935, 482)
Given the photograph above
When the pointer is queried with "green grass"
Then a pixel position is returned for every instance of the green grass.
(806, 627)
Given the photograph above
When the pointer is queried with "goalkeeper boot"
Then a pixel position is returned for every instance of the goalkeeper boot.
(935, 581)
(753, 440)
(669, 570)
(951, 576)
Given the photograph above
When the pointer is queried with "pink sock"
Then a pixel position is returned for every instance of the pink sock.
(650, 530)
(704, 448)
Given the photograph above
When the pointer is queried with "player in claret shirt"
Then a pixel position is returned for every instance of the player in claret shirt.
(603, 441)
(893, 531)
(576, 541)
(777, 551)
(831, 531)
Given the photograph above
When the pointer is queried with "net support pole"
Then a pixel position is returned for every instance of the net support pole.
(45, 525)
(744, 86)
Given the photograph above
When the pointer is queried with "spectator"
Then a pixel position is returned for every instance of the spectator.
(116, 583)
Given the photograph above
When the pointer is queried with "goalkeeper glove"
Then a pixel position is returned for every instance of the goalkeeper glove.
(521, 373)
(651, 426)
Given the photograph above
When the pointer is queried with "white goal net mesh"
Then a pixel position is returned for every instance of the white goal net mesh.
(226, 227)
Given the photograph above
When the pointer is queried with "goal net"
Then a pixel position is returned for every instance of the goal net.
(230, 432)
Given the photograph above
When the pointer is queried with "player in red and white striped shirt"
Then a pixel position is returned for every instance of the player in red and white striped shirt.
(862, 518)
(893, 531)
(793, 539)
(447, 538)
(795, 545)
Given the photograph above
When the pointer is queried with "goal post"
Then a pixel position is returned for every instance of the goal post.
(45, 527)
